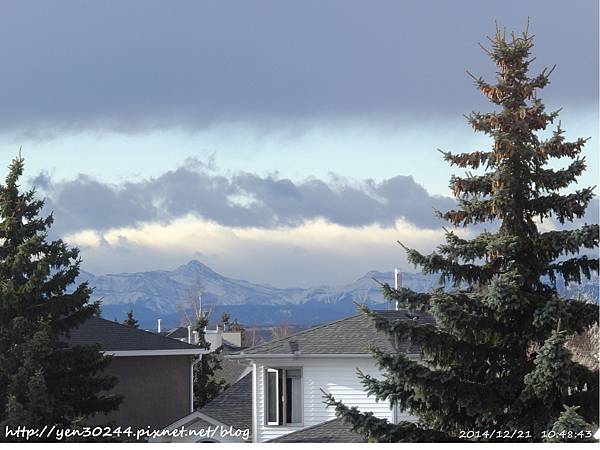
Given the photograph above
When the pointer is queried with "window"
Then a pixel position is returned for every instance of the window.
(283, 396)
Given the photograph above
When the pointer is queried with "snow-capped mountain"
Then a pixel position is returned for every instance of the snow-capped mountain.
(163, 294)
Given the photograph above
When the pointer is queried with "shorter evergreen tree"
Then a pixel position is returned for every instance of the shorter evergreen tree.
(570, 427)
(225, 318)
(130, 321)
(207, 385)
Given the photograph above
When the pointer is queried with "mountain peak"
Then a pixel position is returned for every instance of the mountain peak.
(195, 266)
(194, 263)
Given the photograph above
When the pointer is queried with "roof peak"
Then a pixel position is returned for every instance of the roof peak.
(351, 335)
(298, 333)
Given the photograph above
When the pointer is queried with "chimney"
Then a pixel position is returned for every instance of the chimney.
(397, 284)
(189, 334)
(159, 325)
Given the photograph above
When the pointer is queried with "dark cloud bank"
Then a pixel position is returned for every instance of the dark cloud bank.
(137, 64)
(239, 200)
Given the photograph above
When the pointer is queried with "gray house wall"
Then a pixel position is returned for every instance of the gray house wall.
(156, 391)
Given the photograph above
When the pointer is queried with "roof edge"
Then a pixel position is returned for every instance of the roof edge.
(298, 355)
(316, 327)
(297, 432)
(167, 352)
(304, 429)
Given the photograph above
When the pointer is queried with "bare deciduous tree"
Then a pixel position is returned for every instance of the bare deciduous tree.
(250, 337)
(280, 331)
(191, 309)
(586, 347)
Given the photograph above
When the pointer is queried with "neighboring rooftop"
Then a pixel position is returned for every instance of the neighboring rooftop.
(231, 371)
(352, 335)
(233, 406)
(113, 336)
(176, 333)
(331, 431)
(182, 334)
(229, 347)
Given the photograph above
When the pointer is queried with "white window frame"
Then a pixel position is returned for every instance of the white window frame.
(276, 372)
(281, 402)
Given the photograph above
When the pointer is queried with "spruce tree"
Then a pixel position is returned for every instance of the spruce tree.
(130, 321)
(43, 381)
(496, 360)
(207, 385)
(225, 317)
(570, 427)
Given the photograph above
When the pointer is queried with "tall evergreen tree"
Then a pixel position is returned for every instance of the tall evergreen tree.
(42, 380)
(130, 321)
(207, 385)
(495, 360)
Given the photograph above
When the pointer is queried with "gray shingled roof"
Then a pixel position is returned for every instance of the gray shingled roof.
(331, 431)
(113, 336)
(233, 406)
(229, 347)
(177, 333)
(352, 335)
(230, 371)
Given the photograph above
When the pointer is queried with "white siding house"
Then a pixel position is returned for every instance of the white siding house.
(335, 375)
(290, 375)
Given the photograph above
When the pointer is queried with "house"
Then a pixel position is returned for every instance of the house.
(155, 373)
(279, 398)
(288, 375)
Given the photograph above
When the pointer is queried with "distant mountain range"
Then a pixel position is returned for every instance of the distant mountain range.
(164, 294)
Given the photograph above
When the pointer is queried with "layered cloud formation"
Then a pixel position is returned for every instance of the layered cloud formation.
(263, 228)
(242, 200)
(269, 229)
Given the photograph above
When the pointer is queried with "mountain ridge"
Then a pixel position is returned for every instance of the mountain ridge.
(165, 294)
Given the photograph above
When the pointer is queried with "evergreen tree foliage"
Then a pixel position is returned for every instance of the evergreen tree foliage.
(225, 317)
(43, 381)
(570, 427)
(207, 385)
(496, 360)
(130, 321)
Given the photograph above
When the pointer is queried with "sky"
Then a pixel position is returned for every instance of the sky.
(288, 143)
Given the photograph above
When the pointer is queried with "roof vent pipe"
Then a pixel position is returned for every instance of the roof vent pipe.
(189, 334)
(159, 325)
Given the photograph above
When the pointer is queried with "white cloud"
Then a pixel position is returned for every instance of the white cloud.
(85, 239)
(313, 253)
